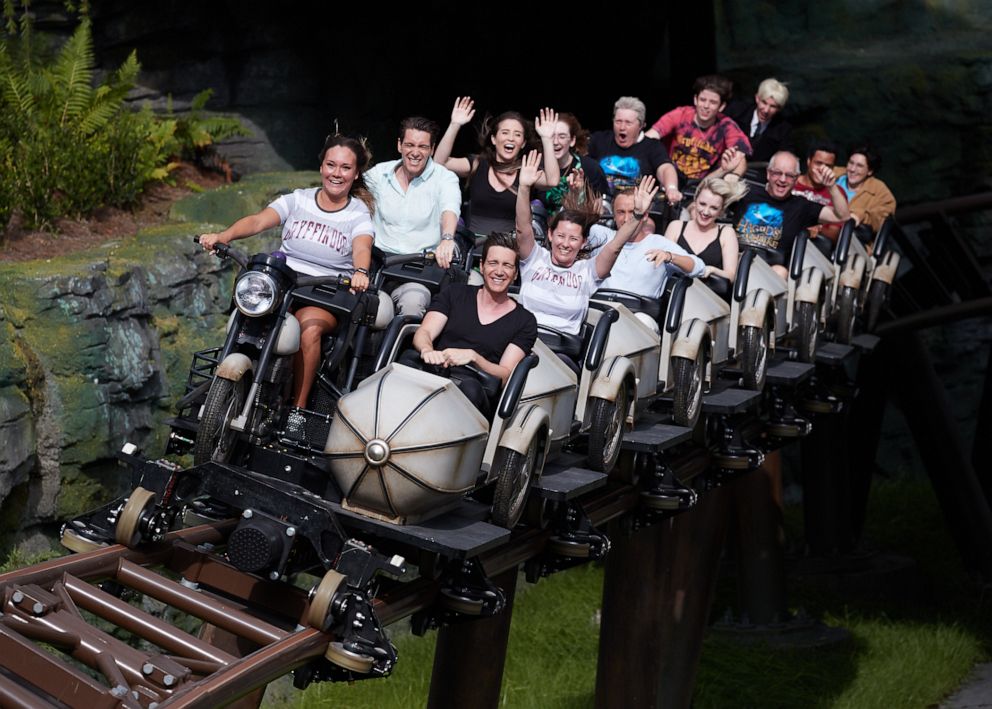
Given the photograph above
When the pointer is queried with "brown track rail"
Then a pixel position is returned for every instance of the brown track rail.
(60, 602)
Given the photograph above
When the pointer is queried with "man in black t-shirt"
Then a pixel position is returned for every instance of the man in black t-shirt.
(772, 219)
(482, 327)
(626, 155)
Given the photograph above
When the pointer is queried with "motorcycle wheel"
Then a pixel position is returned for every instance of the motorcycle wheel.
(513, 479)
(846, 312)
(807, 332)
(215, 438)
(608, 421)
(688, 396)
(754, 357)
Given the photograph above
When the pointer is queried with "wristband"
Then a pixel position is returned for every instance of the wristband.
(671, 187)
(363, 271)
(639, 215)
(671, 257)
(447, 237)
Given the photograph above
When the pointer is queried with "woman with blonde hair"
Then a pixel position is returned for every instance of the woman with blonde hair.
(715, 244)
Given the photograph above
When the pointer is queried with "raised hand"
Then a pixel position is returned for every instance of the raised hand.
(464, 111)
(529, 172)
(647, 188)
(545, 123)
(824, 175)
(731, 159)
(576, 180)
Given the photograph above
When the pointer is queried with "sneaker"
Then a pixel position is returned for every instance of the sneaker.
(296, 426)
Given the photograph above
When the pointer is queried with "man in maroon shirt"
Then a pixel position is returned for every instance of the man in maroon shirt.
(697, 136)
(821, 153)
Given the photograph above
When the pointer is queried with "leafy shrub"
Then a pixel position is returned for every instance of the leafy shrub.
(68, 147)
(196, 133)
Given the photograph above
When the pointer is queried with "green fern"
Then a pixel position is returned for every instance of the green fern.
(68, 147)
(71, 76)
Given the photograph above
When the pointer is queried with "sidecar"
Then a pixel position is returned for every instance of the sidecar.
(406, 444)
(691, 328)
(864, 279)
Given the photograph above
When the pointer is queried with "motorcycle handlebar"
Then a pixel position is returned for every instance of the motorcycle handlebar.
(398, 259)
(225, 251)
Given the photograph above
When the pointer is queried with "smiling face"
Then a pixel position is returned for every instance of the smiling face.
(707, 208)
(708, 105)
(508, 139)
(857, 170)
(626, 127)
(415, 149)
(338, 172)
(562, 140)
(566, 243)
(782, 173)
(499, 269)
(766, 108)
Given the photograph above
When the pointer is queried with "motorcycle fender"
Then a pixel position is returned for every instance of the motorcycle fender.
(852, 276)
(809, 286)
(886, 271)
(611, 377)
(288, 341)
(234, 367)
(756, 307)
(529, 421)
(689, 339)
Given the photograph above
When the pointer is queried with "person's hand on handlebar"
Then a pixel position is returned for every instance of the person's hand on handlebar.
(207, 241)
(359, 282)
(450, 357)
(445, 253)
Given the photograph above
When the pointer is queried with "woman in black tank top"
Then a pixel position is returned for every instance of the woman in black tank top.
(715, 244)
(493, 175)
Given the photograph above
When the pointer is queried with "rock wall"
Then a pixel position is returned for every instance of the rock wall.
(914, 78)
(94, 348)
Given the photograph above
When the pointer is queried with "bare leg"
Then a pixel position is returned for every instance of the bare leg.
(782, 271)
(314, 324)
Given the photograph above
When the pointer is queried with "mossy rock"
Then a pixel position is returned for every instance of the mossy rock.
(227, 204)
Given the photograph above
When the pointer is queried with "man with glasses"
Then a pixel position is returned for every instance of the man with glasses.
(770, 219)
(417, 203)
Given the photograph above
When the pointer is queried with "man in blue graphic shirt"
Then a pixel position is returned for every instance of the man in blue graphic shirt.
(625, 154)
(770, 219)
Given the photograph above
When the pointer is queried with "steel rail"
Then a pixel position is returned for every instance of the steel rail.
(227, 677)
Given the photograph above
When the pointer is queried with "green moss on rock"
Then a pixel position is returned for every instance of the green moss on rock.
(228, 204)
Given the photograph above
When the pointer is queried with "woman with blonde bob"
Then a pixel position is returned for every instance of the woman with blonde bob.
(715, 244)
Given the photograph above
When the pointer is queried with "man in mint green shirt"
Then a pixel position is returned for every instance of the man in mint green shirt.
(417, 201)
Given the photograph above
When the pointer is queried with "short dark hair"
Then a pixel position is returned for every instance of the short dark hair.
(821, 145)
(503, 239)
(719, 85)
(422, 124)
(872, 157)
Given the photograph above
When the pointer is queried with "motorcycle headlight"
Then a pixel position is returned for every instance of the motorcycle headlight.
(255, 294)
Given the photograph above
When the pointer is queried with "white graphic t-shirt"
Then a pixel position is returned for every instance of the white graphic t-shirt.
(558, 297)
(318, 242)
